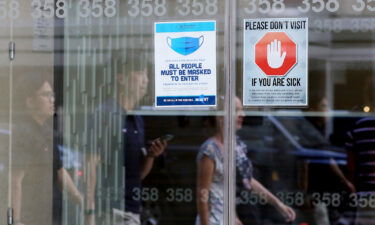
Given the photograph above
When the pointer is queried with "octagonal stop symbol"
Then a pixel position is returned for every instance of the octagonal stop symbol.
(276, 53)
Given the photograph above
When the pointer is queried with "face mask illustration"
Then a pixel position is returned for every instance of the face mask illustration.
(185, 45)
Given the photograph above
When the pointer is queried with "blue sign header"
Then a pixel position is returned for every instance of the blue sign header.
(185, 27)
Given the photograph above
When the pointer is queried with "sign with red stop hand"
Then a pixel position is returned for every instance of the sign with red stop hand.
(275, 62)
(275, 53)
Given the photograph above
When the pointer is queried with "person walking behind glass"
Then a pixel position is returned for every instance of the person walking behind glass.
(130, 163)
(360, 147)
(36, 166)
(210, 177)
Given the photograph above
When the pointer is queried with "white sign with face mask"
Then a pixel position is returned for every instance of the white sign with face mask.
(185, 64)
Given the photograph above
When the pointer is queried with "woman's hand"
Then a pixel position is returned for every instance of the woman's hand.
(350, 186)
(238, 221)
(90, 220)
(287, 212)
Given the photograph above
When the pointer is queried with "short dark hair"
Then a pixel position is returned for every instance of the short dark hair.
(26, 85)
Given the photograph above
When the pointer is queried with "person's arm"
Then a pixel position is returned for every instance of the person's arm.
(205, 173)
(67, 184)
(351, 165)
(303, 175)
(92, 161)
(156, 149)
(338, 172)
(17, 179)
(287, 212)
(351, 155)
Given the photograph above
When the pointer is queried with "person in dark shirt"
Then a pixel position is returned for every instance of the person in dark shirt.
(36, 166)
(361, 165)
(122, 169)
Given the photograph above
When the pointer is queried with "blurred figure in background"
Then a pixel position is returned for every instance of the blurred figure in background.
(361, 164)
(319, 104)
(322, 213)
(210, 176)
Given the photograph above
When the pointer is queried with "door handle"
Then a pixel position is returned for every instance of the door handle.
(12, 50)
(10, 216)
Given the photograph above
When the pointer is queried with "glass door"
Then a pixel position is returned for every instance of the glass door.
(33, 172)
(186, 112)
(5, 172)
(308, 131)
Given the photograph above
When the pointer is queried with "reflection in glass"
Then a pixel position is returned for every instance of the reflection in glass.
(37, 172)
(210, 196)
(122, 169)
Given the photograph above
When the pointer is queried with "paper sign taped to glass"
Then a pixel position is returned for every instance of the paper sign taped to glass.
(185, 63)
(275, 62)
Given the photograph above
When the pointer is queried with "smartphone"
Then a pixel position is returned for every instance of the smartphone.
(167, 137)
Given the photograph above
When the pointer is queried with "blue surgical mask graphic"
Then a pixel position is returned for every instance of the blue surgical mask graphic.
(185, 45)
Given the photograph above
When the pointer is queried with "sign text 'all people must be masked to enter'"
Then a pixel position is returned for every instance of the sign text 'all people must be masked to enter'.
(185, 64)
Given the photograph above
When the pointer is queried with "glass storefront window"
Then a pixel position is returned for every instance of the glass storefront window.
(311, 158)
(140, 112)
